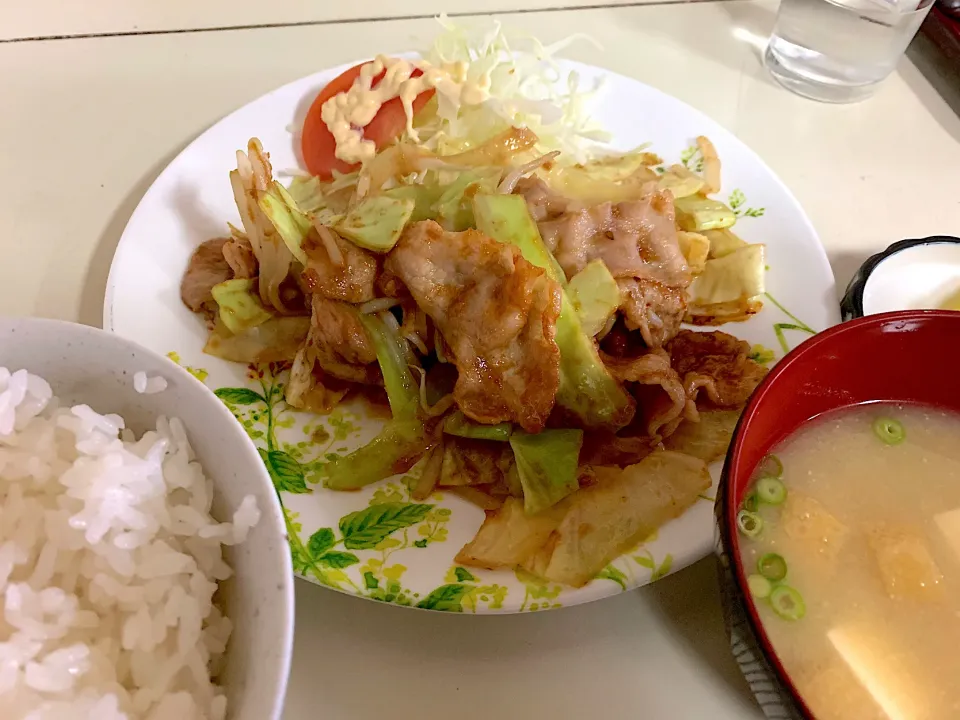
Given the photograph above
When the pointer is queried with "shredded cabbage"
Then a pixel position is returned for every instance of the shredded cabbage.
(527, 89)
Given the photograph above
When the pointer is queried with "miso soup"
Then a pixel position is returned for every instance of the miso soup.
(850, 535)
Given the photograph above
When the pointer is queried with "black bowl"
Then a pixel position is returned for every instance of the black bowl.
(852, 304)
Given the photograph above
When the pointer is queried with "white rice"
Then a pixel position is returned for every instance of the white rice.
(109, 560)
(148, 385)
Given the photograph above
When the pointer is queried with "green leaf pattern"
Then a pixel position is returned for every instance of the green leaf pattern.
(738, 201)
(446, 597)
(364, 529)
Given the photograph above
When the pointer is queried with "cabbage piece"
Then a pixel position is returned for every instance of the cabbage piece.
(611, 179)
(696, 213)
(575, 182)
(547, 462)
(595, 296)
(240, 309)
(458, 424)
(376, 223)
(276, 340)
(402, 442)
(396, 449)
(722, 313)
(734, 277)
(623, 508)
(695, 248)
(403, 392)
(707, 439)
(424, 196)
(307, 193)
(390, 166)
(292, 224)
(723, 242)
(586, 387)
(500, 150)
(471, 461)
(681, 182)
(454, 208)
(509, 536)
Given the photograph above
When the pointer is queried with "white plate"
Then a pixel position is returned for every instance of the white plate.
(191, 202)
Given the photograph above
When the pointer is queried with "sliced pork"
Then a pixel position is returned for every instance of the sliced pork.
(653, 308)
(207, 267)
(716, 363)
(337, 269)
(238, 252)
(656, 386)
(636, 240)
(340, 344)
(497, 313)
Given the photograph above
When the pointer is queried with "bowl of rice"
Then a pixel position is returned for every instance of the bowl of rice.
(144, 570)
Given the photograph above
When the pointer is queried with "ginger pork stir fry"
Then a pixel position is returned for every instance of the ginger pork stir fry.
(521, 316)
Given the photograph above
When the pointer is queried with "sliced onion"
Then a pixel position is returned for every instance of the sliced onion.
(378, 305)
(607, 328)
(509, 183)
(393, 327)
(430, 475)
(439, 407)
(330, 244)
(417, 342)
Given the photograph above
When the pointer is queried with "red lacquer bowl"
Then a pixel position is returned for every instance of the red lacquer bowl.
(906, 357)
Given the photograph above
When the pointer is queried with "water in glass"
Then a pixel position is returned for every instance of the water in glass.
(840, 50)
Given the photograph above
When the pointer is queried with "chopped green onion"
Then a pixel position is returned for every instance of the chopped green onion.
(772, 567)
(759, 586)
(889, 430)
(771, 491)
(771, 466)
(750, 523)
(751, 502)
(787, 603)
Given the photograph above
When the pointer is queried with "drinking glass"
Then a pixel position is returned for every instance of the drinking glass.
(840, 50)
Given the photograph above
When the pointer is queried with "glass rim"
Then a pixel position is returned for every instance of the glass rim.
(922, 7)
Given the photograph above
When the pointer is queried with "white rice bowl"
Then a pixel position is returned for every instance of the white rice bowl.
(111, 558)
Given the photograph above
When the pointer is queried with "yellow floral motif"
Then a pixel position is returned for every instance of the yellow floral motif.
(199, 373)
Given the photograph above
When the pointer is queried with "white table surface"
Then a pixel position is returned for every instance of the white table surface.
(57, 18)
(87, 124)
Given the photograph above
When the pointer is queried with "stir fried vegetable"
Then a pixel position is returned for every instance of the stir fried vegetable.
(275, 340)
(293, 225)
(547, 463)
(615, 179)
(402, 442)
(595, 296)
(623, 508)
(508, 538)
(240, 309)
(458, 424)
(250, 182)
(723, 242)
(696, 213)
(741, 275)
(681, 182)
(376, 223)
(696, 249)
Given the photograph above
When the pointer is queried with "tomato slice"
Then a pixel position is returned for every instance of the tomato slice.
(317, 143)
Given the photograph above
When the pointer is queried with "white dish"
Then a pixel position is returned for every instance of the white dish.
(191, 202)
(921, 277)
(90, 366)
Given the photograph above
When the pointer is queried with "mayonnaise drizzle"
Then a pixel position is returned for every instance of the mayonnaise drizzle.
(347, 113)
